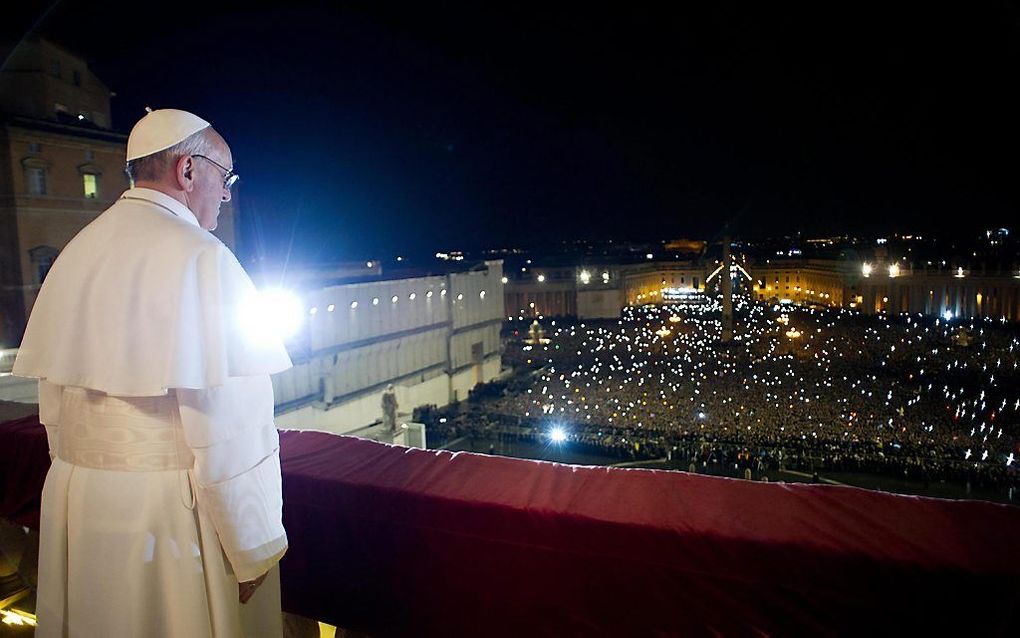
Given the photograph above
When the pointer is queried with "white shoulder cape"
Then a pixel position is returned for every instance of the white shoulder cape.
(143, 300)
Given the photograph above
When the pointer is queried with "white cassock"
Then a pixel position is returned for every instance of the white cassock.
(164, 490)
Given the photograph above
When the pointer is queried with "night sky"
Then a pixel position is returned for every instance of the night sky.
(380, 129)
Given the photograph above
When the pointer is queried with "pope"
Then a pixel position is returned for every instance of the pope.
(162, 509)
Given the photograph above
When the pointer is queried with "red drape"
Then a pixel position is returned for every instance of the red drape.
(397, 541)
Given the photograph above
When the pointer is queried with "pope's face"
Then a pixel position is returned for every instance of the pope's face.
(209, 192)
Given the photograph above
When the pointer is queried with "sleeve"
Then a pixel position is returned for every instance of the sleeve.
(50, 398)
(230, 430)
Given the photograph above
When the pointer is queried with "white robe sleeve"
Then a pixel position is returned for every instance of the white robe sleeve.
(231, 432)
(50, 398)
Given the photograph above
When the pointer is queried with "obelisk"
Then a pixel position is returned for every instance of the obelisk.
(727, 292)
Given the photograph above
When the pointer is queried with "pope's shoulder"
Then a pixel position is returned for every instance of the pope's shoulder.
(131, 226)
(142, 240)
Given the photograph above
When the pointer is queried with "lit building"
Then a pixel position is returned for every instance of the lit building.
(892, 287)
(805, 281)
(433, 337)
(601, 291)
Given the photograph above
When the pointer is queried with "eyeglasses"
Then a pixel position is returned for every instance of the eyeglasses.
(229, 176)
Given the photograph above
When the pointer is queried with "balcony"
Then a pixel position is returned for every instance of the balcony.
(393, 541)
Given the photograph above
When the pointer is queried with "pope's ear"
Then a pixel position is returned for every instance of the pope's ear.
(184, 173)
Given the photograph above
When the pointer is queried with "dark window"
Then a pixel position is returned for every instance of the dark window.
(36, 180)
(42, 258)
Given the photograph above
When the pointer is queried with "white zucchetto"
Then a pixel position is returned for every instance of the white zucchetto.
(161, 129)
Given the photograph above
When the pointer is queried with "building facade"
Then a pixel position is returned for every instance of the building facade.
(432, 337)
(601, 292)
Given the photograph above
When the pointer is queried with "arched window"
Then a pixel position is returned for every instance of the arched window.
(35, 175)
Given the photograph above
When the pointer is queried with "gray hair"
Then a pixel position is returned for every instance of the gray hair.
(153, 167)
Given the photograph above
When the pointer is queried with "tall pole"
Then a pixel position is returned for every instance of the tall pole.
(727, 292)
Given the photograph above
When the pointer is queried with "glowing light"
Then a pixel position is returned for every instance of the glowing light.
(15, 618)
(354, 304)
(947, 314)
(330, 307)
(481, 295)
(375, 301)
(428, 295)
(558, 435)
(585, 277)
(894, 270)
(271, 313)
(313, 311)
(866, 269)
(663, 331)
(793, 333)
(959, 273)
(460, 296)
(504, 280)
(649, 256)
(675, 319)
(541, 278)
(412, 296)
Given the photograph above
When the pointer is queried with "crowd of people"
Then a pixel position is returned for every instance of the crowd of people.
(800, 388)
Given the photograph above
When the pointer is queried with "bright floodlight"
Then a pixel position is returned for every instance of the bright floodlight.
(894, 270)
(273, 312)
(558, 435)
(947, 315)
(585, 277)
(866, 269)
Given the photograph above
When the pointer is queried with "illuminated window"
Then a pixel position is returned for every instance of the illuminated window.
(91, 184)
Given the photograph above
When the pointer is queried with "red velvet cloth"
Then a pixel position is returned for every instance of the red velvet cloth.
(397, 541)
(24, 460)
